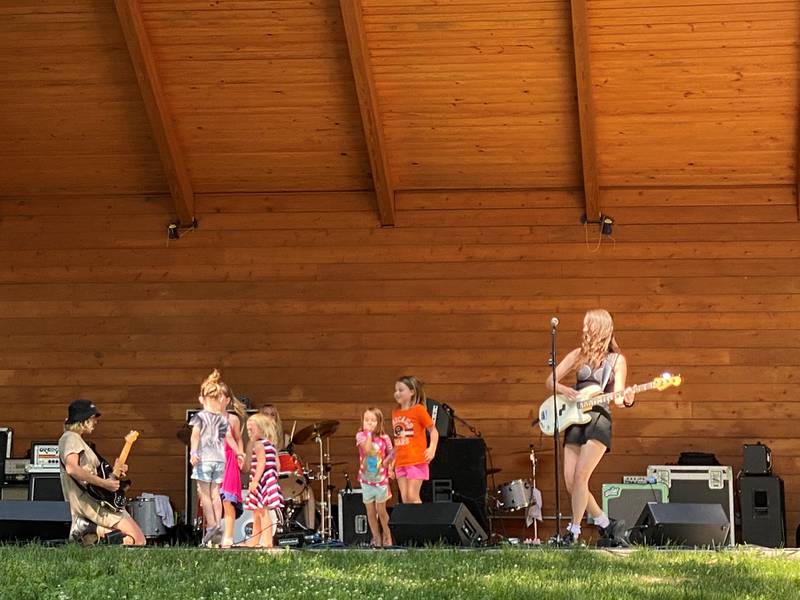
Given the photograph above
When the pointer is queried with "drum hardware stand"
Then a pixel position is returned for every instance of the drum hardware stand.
(557, 539)
(534, 460)
(323, 477)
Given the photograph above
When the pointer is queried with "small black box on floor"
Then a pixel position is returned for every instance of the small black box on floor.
(22, 520)
(353, 524)
(460, 464)
(432, 523)
(763, 512)
(757, 459)
(681, 524)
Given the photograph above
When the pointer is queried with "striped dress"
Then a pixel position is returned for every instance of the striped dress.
(268, 493)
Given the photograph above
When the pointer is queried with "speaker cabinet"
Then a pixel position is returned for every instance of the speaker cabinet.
(5, 451)
(757, 459)
(25, 521)
(763, 512)
(353, 524)
(460, 466)
(442, 418)
(681, 524)
(45, 485)
(447, 522)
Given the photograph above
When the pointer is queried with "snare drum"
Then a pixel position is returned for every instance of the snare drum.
(291, 476)
(143, 511)
(515, 494)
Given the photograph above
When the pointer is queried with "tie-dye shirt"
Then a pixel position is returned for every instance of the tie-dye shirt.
(372, 463)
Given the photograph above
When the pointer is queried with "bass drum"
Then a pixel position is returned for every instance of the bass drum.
(243, 527)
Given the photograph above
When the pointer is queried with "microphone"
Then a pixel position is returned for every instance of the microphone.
(554, 322)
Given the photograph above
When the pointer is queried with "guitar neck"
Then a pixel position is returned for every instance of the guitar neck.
(123, 456)
(605, 399)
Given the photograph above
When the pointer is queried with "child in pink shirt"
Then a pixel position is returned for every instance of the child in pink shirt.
(375, 455)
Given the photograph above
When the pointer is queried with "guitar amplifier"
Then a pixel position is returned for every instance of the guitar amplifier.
(626, 501)
(700, 484)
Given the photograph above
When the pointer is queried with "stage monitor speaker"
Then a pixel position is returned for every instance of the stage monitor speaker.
(460, 463)
(625, 501)
(22, 520)
(45, 486)
(763, 512)
(681, 524)
(431, 523)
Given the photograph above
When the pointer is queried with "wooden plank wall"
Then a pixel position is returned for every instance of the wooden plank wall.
(319, 310)
(697, 93)
(295, 291)
(262, 93)
(476, 94)
(72, 119)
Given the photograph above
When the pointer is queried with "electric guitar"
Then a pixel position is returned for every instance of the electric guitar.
(114, 501)
(573, 412)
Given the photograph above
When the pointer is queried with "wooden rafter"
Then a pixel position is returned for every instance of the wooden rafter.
(586, 109)
(352, 15)
(144, 65)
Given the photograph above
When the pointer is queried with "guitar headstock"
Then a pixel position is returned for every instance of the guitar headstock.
(132, 437)
(667, 380)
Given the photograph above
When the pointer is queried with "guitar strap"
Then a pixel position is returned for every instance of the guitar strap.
(608, 369)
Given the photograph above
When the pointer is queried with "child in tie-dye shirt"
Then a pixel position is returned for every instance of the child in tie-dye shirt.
(375, 455)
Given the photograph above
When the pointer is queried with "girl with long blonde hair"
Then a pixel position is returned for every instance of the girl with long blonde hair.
(597, 361)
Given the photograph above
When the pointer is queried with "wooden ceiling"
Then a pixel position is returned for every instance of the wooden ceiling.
(452, 94)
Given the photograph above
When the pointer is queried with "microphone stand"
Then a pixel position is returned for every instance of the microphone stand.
(556, 434)
(455, 417)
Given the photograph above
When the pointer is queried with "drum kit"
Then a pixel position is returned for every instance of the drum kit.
(295, 479)
(518, 494)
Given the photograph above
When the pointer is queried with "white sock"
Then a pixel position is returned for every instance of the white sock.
(602, 521)
(574, 530)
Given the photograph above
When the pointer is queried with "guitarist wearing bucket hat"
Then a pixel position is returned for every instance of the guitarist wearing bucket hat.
(79, 468)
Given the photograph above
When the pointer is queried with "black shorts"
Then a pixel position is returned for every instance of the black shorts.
(599, 428)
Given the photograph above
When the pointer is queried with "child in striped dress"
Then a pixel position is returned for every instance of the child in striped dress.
(264, 491)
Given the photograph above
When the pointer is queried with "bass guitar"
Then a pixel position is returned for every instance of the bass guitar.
(114, 501)
(573, 412)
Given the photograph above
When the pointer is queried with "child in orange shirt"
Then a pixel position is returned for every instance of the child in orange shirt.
(412, 452)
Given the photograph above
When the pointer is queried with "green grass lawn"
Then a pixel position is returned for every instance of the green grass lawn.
(102, 573)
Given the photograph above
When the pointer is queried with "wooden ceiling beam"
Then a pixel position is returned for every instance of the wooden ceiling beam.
(353, 18)
(144, 65)
(586, 109)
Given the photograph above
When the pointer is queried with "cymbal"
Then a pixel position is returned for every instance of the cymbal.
(315, 430)
(493, 470)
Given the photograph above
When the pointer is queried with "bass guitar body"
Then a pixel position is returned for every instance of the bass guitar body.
(569, 412)
(574, 412)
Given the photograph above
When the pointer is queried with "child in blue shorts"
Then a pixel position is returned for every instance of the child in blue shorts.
(375, 455)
